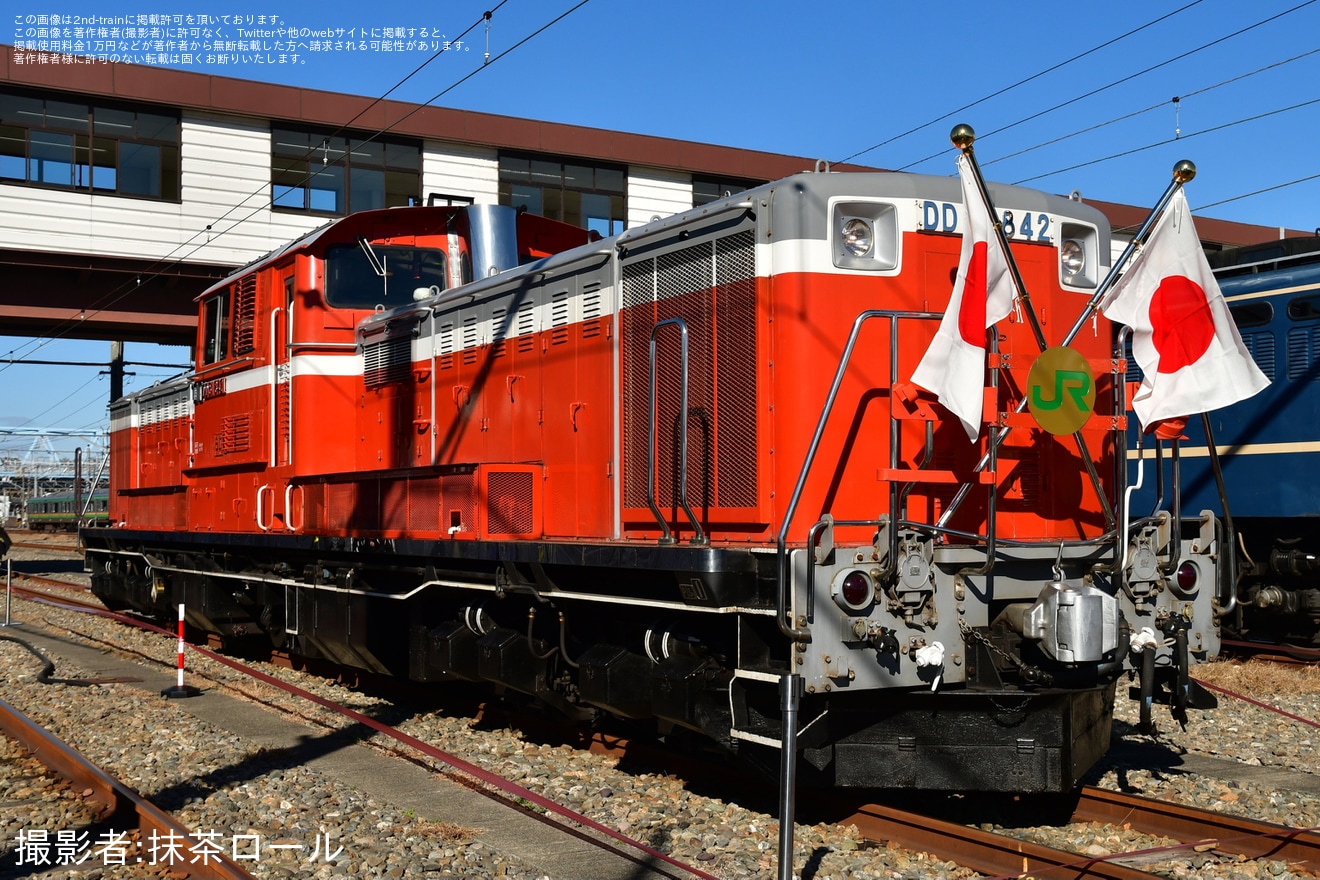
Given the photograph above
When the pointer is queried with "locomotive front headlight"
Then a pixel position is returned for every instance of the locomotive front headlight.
(858, 237)
(1072, 257)
(853, 591)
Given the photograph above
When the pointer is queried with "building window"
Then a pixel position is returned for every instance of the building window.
(333, 174)
(590, 196)
(88, 147)
(708, 189)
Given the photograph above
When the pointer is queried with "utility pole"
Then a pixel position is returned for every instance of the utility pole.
(116, 370)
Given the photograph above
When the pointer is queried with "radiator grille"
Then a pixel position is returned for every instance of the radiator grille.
(389, 360)
(711, 286)
(509, 503)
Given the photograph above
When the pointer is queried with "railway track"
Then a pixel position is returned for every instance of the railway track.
(1195, 832)
(1001, 855)
(121, 808)
(1283, 653)
(1235, 835)
(409, 747)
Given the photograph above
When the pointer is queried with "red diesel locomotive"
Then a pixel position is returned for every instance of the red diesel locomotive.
(650, 475)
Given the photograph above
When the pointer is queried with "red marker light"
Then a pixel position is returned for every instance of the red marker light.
(855, 591)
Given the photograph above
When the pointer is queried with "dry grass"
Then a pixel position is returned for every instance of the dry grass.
(1260, 678)
(447, 832)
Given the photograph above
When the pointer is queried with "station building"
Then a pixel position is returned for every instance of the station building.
(126, 190)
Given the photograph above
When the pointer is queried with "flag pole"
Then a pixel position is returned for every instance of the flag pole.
(963, 137)
(1183, 171)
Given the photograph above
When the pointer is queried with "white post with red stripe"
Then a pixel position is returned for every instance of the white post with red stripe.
(180, 689)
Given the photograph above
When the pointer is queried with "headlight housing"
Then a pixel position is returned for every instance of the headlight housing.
(1072, 258)
(857, 237)
(864, 235)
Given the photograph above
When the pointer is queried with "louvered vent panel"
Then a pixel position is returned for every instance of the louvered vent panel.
(1302, 344)
(560, 315)
(389, 360)
(1261, 346)
(499, 330)
(471, 338)
(446, 349)
(235, 435)
(593, 307)
(245, 315)
(526, 327)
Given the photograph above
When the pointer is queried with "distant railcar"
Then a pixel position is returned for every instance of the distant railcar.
(1269, 444)
(60, 512)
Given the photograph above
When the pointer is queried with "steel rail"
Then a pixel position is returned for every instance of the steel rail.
(983, 851)
(114, 798)
(616, 842)
(1231, 834)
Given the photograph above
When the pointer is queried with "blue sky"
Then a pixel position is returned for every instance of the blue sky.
(832, 82)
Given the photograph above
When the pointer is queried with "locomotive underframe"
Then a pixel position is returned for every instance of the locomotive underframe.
(686, 637)
(1278, 600)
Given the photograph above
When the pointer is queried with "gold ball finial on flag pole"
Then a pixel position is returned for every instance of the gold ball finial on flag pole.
(962, 136)
(1184, 171)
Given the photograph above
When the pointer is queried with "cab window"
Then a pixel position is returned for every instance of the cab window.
(215, 327)
(353, 282)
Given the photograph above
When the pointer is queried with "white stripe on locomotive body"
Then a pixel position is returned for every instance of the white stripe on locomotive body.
(477, 315)
(479, 318)
(1246, 449)
(1277, 291)
(155, 406)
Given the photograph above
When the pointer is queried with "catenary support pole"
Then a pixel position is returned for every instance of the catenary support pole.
(790, 692)
(9, 586)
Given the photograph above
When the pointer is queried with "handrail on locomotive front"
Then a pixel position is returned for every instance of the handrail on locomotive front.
(894, 521)
(787, 627)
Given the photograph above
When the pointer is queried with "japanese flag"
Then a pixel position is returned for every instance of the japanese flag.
(1182, 333)
(954, 365)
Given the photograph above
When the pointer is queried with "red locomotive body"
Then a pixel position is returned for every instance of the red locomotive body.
(465, 443)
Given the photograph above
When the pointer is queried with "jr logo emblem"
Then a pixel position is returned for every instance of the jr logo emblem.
(1060, 390)
(1071, 382)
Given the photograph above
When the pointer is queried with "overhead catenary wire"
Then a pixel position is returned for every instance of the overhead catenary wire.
(1072, 102)
(1019, 83)
(170, 259)
(1185, 136)
(1274, 188)
(1135, 113)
